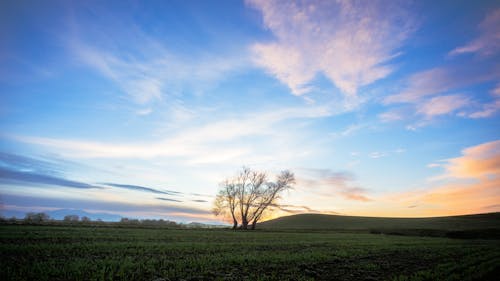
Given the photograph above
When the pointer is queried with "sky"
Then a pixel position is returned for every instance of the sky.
(141, 108)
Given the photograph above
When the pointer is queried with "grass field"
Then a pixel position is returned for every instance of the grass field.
(111, 253)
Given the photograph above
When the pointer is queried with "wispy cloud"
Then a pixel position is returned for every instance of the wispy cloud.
(145, 69)
(488, 41)
(442, 105)
(141, 188)
(440, 80)
(132, 77)
(28, 164)
(328, 183)
(165, 210)
(196, 145)
(349, 130)
(377, 154)
(431, 93)
(300, 209)
(392, 115)
(34, 171)
(381, 154)
(487, 109)
(8, 176)
(348, 42)
(168, 199)
(24, 170)
(150, 76)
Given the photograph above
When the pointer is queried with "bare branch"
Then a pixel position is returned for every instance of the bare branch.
(248, 195)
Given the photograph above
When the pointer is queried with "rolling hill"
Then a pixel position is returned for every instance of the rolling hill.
(337, 222)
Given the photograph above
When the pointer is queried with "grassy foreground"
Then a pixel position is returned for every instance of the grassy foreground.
(108, 253)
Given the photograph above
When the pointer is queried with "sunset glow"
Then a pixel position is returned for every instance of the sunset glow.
(140, 109)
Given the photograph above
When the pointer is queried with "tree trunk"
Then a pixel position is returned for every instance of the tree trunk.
(254, 223)
(244, 224)
(235, 223)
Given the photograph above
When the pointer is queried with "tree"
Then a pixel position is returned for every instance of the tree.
(36, 217)
(271, 195)
(71, 218)
(225, 201)
(245, 198)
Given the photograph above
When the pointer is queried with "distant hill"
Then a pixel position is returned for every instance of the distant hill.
(337, 222)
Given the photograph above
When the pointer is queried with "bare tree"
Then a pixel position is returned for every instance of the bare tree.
(271, 195)
(225, 201)
(249, 195)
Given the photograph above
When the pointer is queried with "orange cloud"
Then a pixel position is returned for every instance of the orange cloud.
(469, 184)
(476, 162)
(458, 196)
(464, 199)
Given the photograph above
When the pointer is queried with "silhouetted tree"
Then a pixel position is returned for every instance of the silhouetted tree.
(270, 195)
(71, 218)
(129, 221)
(226, 201)
(246, 197)
(36, 217)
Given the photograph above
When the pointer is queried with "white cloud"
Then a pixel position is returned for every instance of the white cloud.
(327, 183)
(423, 84)
(350, 130)
(349, 42)
(213, 142)
(146, 77)
(428, 94)
(487, 109)
(377, 154)
(391, 116)
(488, 41)
(381, 154)
(442, 105)
(399, 150)
(439, 80)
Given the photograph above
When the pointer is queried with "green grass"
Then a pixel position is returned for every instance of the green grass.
(108, 253)
(333, 222)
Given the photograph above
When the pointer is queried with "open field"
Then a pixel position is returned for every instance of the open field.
(110, 253)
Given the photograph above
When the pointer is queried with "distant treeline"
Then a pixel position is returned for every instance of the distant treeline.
(44, 219)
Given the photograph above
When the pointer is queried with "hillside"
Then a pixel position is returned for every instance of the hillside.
(336, 222)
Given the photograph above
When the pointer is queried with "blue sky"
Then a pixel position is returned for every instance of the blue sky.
(137, 108)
